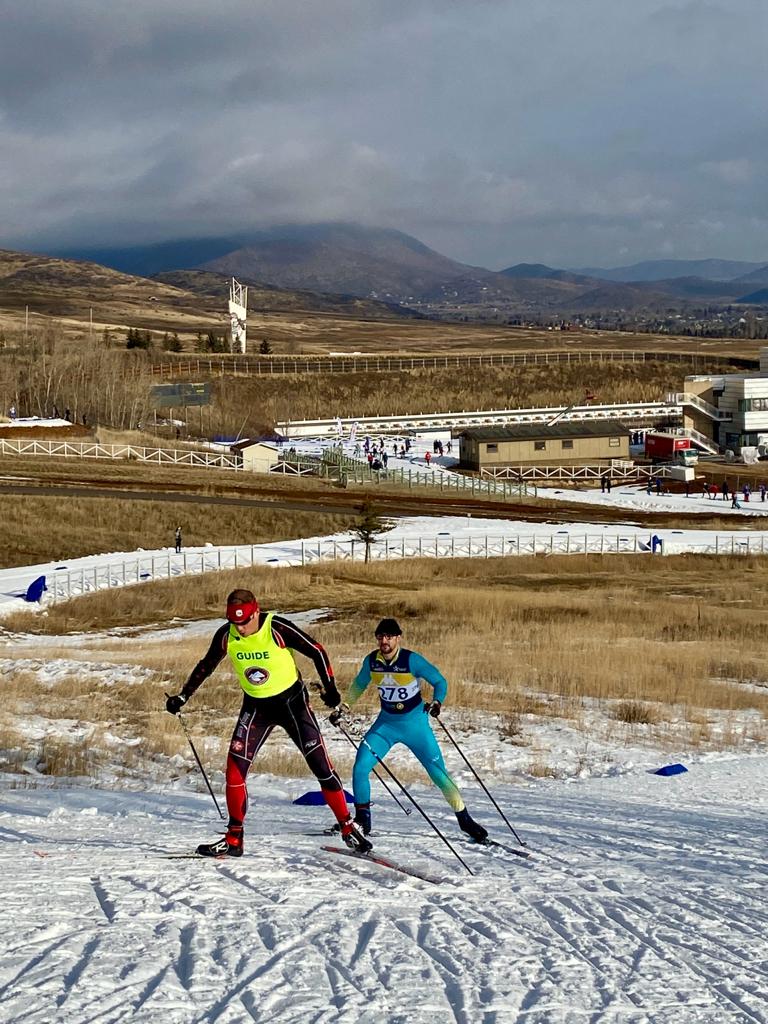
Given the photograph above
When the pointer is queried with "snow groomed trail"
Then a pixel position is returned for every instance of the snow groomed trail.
(643, 901)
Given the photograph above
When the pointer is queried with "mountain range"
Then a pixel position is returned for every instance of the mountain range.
(66, 287)
(396, 268)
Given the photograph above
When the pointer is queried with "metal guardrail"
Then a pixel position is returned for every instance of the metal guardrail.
(136, 453)
(702, 440)
(348, 470)
(721, 415)
(64, 585)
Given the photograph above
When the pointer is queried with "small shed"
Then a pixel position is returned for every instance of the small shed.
(584, 442)
(258, 456)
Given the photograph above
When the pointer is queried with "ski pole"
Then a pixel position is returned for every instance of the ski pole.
(199, 763)
(485, 788)
(418, 807)
(403, 808)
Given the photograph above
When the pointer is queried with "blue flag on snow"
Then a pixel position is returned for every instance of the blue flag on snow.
(671, 769)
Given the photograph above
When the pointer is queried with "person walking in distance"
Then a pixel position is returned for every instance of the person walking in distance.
(259, 645)
(403, 718)
(177, 539)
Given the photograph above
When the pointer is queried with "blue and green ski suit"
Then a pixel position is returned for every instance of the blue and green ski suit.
(402, 719)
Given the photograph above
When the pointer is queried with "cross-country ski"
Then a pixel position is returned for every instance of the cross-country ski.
(385, 862)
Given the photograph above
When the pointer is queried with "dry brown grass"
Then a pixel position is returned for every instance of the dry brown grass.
(679, 651)
(84, 526)
(635, 712)
(302, 330)
(314, 396)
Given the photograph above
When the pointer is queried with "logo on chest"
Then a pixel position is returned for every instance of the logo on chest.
(256, 676)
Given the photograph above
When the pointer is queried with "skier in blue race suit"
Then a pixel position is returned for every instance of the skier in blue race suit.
(403, 718)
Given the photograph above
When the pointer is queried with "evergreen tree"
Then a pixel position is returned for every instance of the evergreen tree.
(369, 526)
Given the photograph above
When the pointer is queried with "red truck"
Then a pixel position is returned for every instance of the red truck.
(670, 448)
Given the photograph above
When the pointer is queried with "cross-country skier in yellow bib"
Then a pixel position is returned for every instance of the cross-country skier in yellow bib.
(259, 646)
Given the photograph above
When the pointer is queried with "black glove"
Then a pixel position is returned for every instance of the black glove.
(330, 696)
(174, 704)
(336, 716)
(434, 708)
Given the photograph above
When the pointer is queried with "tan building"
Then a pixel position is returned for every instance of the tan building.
(257, 456)
(536, 444)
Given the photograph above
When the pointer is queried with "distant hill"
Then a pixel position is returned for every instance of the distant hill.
(616, 295)
(70, 287)
(346, 259)
(149, 260)
(215, 288)
(695, 288)
(382, 264)
(367, 271)
(758, 298)
(533, 271)
(757, 278)
(340, 260)
(659, 270)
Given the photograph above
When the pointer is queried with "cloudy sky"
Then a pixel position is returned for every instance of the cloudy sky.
(569, 132)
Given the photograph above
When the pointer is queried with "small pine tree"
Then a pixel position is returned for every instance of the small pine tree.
(370, 526)
(265, 348)
(214, 342)
(138, 339)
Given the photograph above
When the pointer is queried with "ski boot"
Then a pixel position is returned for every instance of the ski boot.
(363, 818)
(230, 845)
(471, 827)
(353, 838)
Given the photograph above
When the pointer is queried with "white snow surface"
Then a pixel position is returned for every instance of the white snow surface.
(643, 901)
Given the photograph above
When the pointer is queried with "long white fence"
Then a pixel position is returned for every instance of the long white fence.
(64, 584)
(281, 364)
(129, 452)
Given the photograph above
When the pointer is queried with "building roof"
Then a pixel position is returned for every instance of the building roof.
(542, 432)
(251, 442)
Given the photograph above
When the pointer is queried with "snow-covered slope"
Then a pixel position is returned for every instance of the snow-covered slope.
(643, 901)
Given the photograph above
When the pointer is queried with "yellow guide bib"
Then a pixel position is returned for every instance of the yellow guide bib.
(263, 668)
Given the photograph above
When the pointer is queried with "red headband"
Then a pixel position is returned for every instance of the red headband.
(241, 611)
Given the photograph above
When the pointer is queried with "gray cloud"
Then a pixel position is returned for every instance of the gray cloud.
(596, 132)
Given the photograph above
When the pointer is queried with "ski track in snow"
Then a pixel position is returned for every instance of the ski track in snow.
(643, 901)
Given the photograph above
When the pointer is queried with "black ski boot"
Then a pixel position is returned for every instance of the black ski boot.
(353, 838)
(471, 827)
(363, 818)
(230, 845)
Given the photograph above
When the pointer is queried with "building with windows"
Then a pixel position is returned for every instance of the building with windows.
(730, 411)
(589, 442)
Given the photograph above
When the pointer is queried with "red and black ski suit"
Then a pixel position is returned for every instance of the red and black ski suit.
(289, 709)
